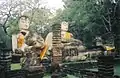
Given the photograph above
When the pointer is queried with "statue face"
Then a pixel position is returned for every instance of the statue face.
(64, 26)
(24, 23)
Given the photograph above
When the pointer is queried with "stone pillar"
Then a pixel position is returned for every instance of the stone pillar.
(56, 51)
(5, 59)
(56, 41)
(105, 66)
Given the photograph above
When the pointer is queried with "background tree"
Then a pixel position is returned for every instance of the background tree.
(11, 10)
(91, 18)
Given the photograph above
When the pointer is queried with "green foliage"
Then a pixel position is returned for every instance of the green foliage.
(38, 16)
(91, 18)
(12, 25)
(86, 18)
(39, 20)
(79, 14)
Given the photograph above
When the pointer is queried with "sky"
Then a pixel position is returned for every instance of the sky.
(52, 4)
(55, 4)
(2, 1)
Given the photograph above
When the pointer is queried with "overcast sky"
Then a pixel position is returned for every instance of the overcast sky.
(52, 4)
(55, 4)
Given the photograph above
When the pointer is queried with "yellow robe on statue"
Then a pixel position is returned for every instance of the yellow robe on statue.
(20, 40)
(48, 42)
(68, 35)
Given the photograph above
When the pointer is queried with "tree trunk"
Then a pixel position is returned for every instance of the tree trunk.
(117, 44)
(116, 31)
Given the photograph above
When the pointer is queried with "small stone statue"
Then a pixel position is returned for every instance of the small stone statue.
(32, 52)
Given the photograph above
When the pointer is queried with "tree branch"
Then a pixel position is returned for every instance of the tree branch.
(105, 18)
(115, 8)
(8, 15)
(105, 25)
(109, 22)
(32, 16)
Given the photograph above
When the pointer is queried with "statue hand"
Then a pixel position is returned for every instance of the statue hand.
(18, 51)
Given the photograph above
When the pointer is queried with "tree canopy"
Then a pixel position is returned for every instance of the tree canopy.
(87, 19)
(91, 18)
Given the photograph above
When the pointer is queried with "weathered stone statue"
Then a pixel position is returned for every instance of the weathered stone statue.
(30, 45)
(70, 45)
(72, 48)
(35, 45)
(5, 51)
(18, 40)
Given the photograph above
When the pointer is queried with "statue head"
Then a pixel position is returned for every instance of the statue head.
(24, 22)
(64, 26)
